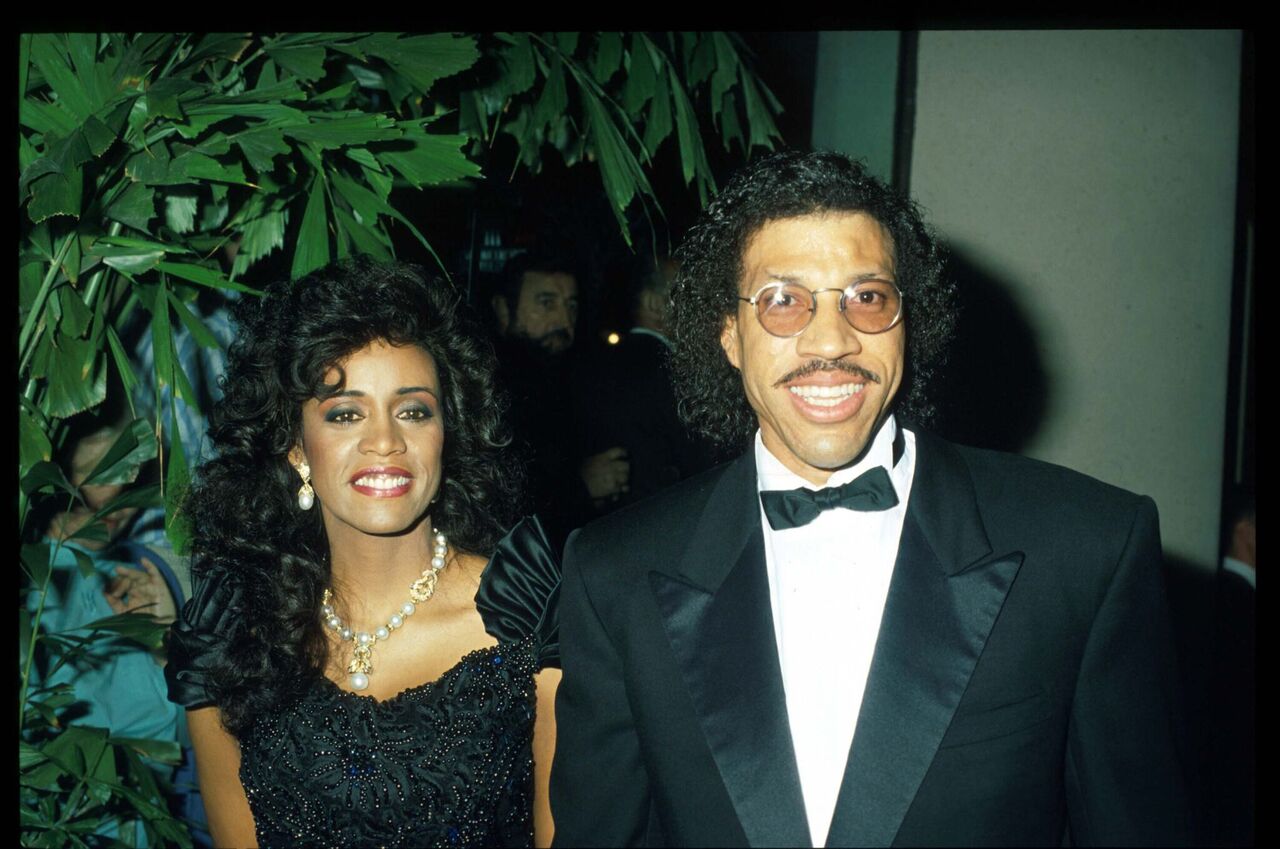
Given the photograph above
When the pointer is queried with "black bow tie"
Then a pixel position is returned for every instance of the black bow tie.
(871, 491)
(790, 508)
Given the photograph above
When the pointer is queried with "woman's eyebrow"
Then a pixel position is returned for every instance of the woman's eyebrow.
(407, 390)
(403, 390)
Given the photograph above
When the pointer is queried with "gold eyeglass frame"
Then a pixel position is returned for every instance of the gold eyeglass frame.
(845, 294)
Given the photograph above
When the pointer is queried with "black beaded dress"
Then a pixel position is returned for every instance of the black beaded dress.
(446, 763)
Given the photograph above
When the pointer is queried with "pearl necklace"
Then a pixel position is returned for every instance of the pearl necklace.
(420, 591)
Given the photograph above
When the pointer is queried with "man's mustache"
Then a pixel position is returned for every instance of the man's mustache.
(827, 365)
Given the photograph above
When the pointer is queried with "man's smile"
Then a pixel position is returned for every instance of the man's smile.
(826, 396)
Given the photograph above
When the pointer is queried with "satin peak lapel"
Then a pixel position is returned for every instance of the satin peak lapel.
(718, 619)
(946, 592)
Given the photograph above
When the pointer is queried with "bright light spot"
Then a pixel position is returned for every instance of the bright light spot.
(613, 338)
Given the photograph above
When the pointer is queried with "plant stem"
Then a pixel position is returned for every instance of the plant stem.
(175, 54)
(28, 392)
(31, 644)
(25, 339)
(96, 279)
(252, 57)
(497, 122)
(23, 502)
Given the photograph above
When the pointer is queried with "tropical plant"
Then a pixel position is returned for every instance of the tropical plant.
(155, 166)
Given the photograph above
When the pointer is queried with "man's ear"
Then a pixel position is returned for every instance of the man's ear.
(729, 341)
(501, 312)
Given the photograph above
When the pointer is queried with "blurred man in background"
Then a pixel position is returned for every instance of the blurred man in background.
(535, 309)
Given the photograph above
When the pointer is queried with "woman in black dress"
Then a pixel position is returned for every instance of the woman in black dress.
(357, 669)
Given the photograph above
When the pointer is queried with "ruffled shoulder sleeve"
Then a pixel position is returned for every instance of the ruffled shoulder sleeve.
(520, 590)
(197, 638)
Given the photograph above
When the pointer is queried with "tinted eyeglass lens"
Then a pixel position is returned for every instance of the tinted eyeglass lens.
(872, 306)
(784, 310)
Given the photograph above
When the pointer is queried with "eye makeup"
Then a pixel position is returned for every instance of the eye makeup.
(341, 415)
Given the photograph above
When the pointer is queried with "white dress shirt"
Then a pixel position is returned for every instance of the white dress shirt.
(828, 581)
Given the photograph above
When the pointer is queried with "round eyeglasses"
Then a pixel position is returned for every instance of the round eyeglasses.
(785, 309)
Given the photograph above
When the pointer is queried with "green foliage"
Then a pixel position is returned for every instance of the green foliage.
(615, 98)
(153, 166)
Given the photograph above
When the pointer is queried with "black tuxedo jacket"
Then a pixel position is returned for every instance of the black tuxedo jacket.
(1022, 689)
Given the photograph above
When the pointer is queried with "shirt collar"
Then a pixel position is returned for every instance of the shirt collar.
(1239, 567)
(655, 334)
(772, 474)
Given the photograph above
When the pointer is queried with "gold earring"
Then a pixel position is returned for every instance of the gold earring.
(306, 495)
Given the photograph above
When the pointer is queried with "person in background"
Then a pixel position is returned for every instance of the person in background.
(119, 684)
(627, 400)
(537, 303)
(536, 314)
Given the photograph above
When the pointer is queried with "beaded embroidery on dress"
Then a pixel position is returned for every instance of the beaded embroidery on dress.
(447, 763)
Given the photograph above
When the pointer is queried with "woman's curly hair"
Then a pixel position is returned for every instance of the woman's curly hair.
(705, 291)
(243, 505)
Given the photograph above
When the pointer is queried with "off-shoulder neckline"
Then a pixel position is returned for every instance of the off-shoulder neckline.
(426, 685)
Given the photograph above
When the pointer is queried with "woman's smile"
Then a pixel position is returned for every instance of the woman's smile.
(382, 481)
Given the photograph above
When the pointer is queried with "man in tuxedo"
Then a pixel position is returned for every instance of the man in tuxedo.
(856, 633)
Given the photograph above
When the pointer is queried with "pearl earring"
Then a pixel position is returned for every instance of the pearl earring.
(306, 495)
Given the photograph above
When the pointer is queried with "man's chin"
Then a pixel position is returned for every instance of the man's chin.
(833, 452)
(551, 346)
(556, 342)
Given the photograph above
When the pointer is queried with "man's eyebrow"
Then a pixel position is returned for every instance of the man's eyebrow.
(857, 278)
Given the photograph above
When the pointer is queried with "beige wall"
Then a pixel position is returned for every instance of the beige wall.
(1093, 174)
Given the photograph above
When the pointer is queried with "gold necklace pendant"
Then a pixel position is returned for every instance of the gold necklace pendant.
(419, 591)
(424, 588)
(363, 659)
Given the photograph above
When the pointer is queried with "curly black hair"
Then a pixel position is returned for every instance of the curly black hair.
(788, 185)
(242, 506)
